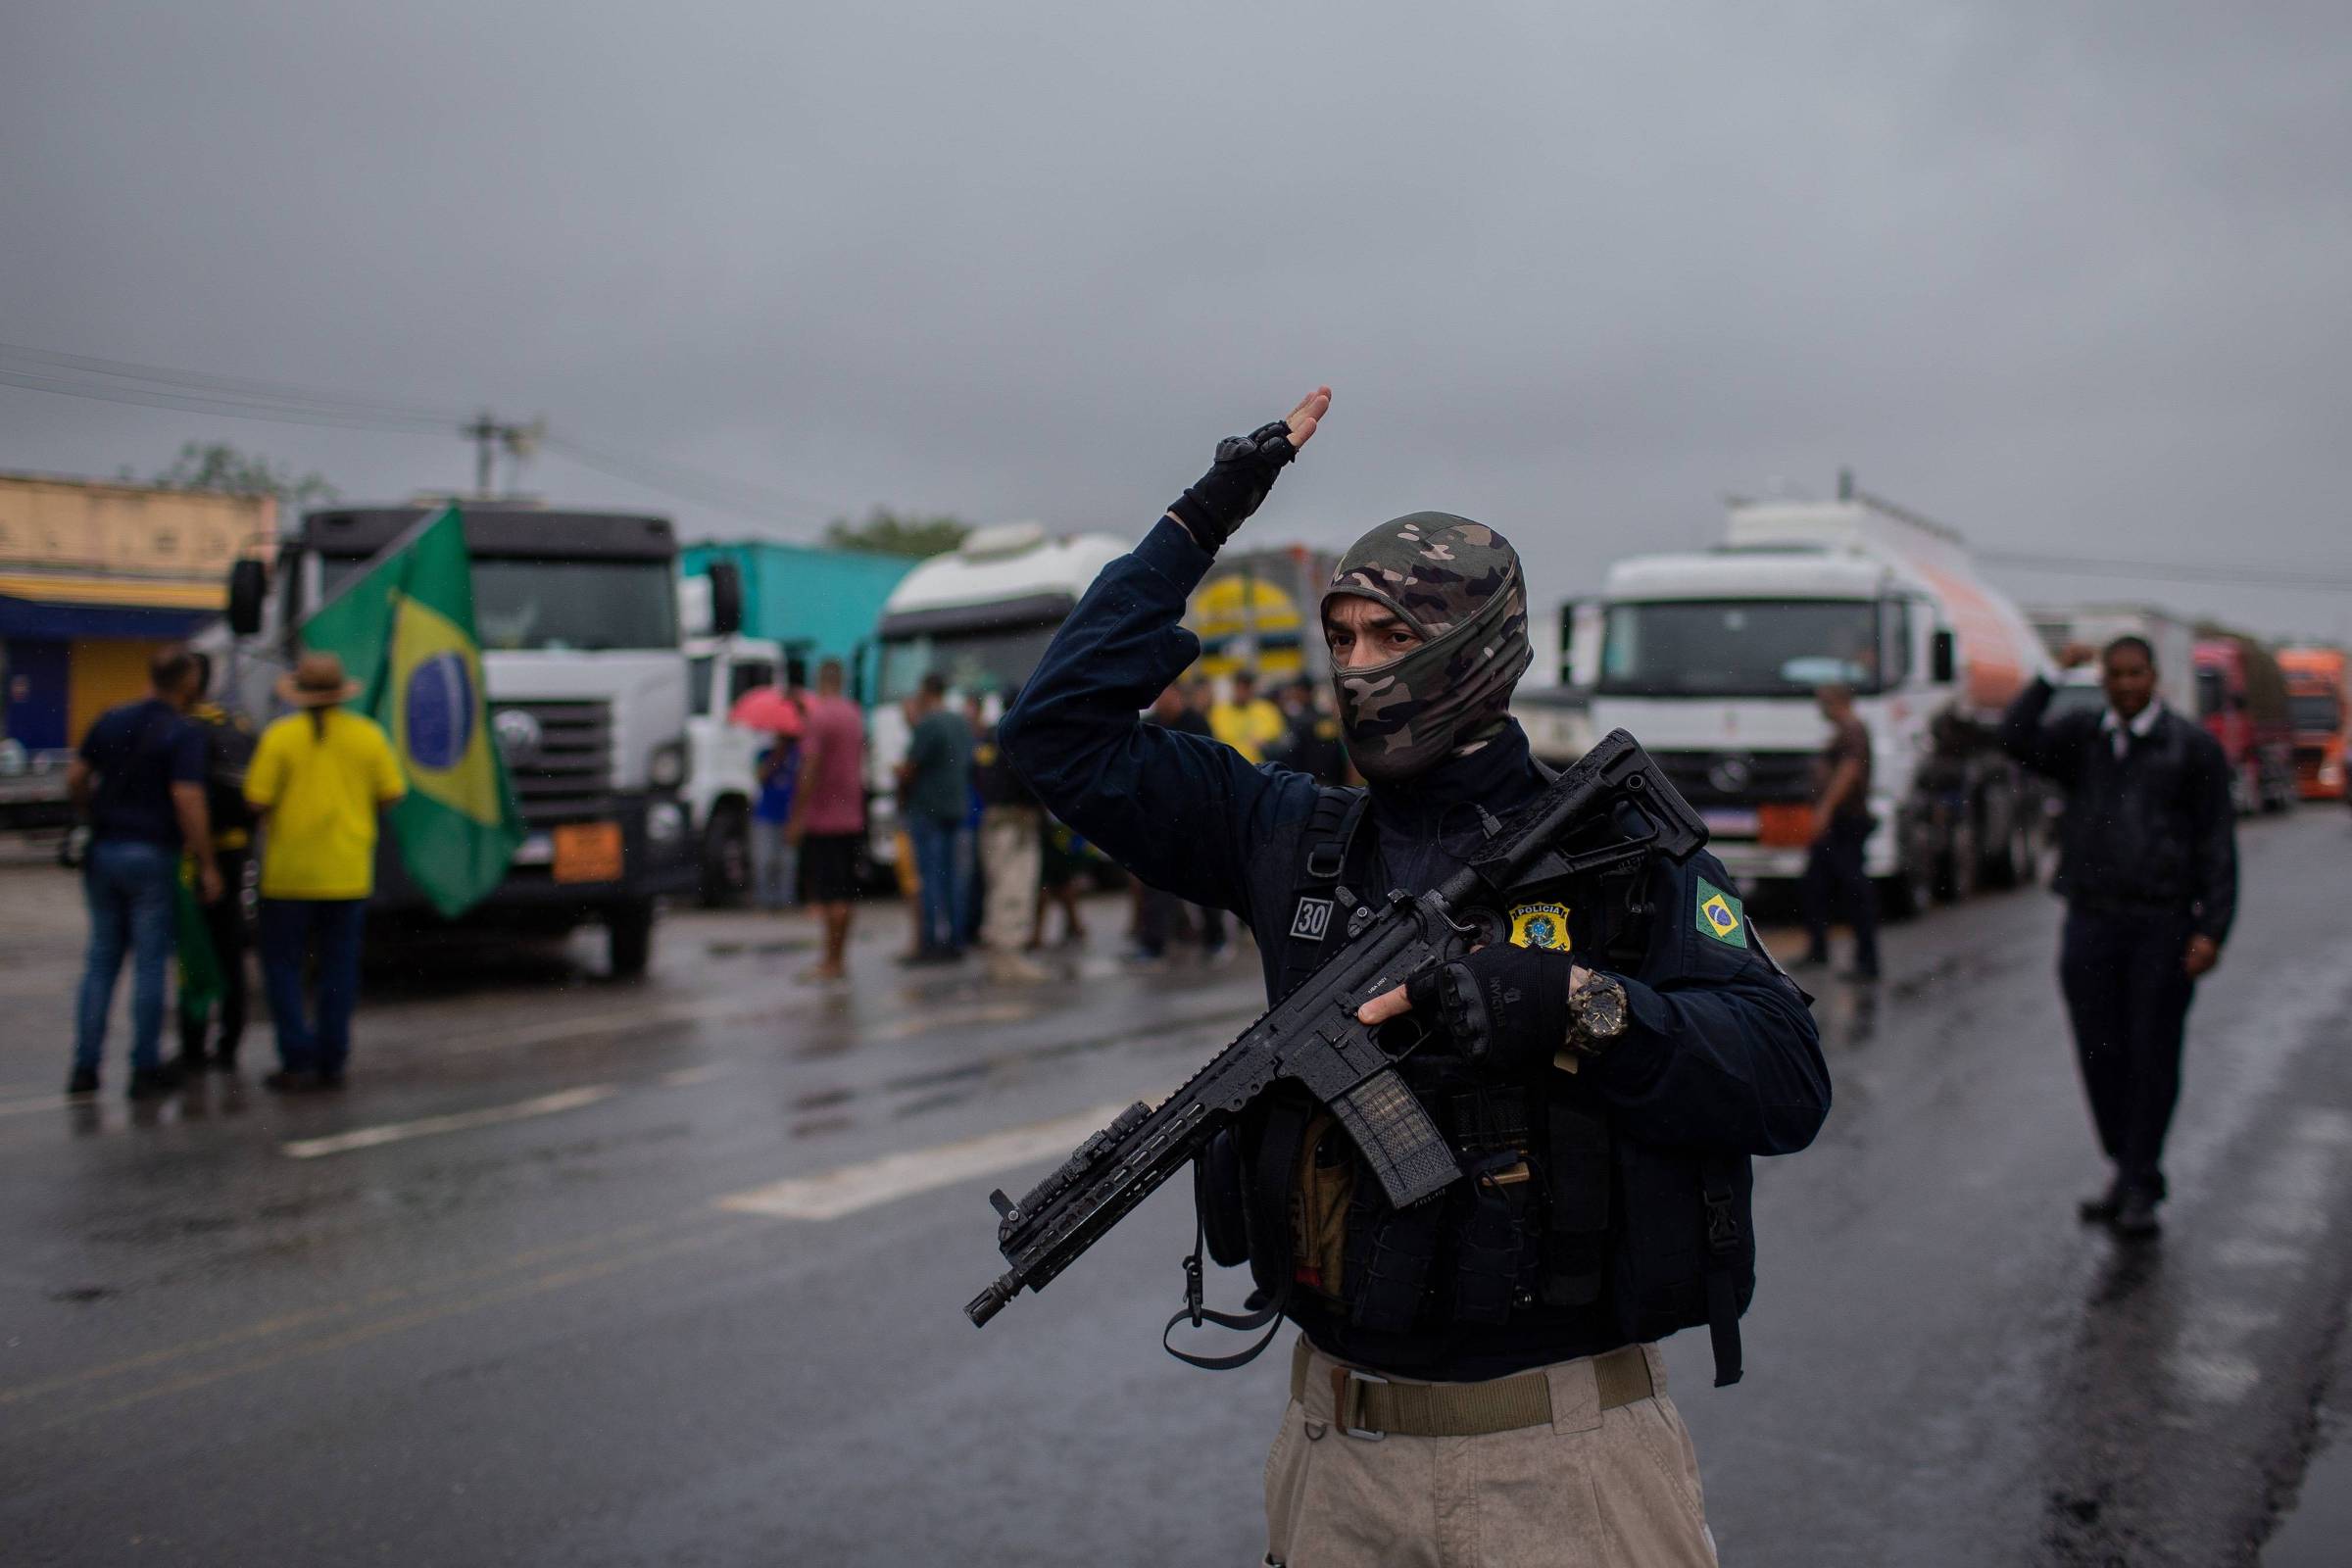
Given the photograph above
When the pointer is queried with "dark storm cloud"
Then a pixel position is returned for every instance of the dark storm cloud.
(2071, 276)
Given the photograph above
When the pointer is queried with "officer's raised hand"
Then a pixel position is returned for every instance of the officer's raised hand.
(1506, 1008)
(1236, 484)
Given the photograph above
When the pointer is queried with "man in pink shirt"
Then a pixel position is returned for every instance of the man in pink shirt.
(828, 811)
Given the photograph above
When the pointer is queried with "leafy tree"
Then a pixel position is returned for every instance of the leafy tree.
(219, 467)
(889, 533)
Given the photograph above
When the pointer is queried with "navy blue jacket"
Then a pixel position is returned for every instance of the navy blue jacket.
(1720, 1055)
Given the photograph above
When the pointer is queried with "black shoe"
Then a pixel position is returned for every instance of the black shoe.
(83, 1082)
(287, 1081)
(224, 1062)
(2101, 1211)
(188, 1064)
(330, 1079)
(151, 1083)
(2135, 1217)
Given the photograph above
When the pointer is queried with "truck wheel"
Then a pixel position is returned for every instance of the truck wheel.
(726, 857)
(628, 939)
(1956, 878)
(1907, 894)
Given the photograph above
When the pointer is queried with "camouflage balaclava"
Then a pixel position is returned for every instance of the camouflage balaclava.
(1456, 583)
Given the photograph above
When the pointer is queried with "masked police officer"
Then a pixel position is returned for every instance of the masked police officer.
(1475, 1381)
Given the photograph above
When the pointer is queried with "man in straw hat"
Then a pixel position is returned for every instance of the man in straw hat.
(318, 779)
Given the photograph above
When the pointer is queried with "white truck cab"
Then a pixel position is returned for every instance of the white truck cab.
(722, 758)
(1713, 661)
(981, 615)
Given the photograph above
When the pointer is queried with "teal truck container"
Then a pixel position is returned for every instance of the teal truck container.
(818, 603)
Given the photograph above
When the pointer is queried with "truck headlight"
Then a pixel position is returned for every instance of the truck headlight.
(665, 770)
(664, 823)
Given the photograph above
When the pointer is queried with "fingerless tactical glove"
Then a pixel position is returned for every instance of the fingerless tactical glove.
(1504, 1007)
(1236, 484)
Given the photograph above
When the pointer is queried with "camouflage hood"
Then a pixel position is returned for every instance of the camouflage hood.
(1458, 584)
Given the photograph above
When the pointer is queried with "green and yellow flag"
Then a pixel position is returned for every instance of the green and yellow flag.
(405, 633)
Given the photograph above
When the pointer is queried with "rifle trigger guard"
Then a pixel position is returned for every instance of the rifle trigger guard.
(1195, 1297)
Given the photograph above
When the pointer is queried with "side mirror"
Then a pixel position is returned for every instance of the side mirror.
(1944, 658)
(248, 591)
(726, 599)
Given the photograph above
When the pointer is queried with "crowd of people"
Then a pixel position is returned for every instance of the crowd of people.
(984, 866)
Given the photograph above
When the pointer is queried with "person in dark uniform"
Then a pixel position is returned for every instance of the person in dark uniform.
(1835, 882)
(1604, 1075)
(2148, 867)
(228, 743)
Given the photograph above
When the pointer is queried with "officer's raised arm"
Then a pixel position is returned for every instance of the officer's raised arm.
(1179, 810)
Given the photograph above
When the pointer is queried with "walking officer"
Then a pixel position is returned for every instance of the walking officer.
(1475, 1380)
(2148, 867)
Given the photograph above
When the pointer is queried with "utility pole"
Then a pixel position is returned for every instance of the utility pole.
(488, 435)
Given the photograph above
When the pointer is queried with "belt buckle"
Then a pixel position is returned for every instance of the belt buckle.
(1351, 1405)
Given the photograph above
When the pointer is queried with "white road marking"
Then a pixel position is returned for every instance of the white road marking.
(46, 1103)
(456, 1122)
(695, 1075)
(848, 1188)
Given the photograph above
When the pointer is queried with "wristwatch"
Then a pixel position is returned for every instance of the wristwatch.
(1597, 1014)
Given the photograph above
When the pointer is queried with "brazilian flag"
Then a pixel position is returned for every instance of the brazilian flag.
(405, 633)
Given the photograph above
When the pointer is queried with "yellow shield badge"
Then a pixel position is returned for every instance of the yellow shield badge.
(1540, 925)
(434, 712)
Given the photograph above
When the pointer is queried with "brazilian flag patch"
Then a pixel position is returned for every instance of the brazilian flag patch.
(1720, 915)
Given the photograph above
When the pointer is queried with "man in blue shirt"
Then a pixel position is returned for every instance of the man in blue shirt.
(138, 781)
(938, 779)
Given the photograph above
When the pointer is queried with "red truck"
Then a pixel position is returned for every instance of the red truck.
(2241, 698)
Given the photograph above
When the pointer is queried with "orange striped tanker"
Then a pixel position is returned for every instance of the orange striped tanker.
(1712, 660)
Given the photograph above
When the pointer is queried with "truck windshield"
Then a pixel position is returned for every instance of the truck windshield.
(559, 606)
(978, 662)
(1739, 648)
(2314, 713)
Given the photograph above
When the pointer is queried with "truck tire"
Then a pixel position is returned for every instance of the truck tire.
(628, 939)
(727, 857)
(1956, 874)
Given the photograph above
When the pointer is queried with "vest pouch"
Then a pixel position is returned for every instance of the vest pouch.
(1491, 1236)
(1672, 1243)
(1321, 1197)
(1219, 1200)
(1579, 1191)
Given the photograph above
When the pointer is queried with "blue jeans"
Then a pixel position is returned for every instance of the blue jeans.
(128, 884)
(292, 929)
(775, 866)
(939, 925)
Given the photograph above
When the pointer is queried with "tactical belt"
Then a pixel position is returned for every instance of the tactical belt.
(1366, 1405)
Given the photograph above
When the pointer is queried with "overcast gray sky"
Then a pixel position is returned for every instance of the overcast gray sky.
(2077, 278)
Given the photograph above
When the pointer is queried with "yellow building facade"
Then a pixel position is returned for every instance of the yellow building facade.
(93, 578)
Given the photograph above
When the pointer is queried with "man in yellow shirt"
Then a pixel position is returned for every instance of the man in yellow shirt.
(318, 779)
(1248, 723)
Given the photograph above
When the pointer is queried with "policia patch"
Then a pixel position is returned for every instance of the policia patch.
(1720, 915)
(1540, 925)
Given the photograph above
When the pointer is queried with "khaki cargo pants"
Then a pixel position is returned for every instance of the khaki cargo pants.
(1596, 1489)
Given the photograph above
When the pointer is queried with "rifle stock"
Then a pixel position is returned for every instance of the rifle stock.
(1312, 1037)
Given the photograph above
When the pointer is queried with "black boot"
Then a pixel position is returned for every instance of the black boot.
(2135, 1216)
(84, 1081)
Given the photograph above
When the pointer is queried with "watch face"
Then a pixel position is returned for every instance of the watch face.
(1600, 1009)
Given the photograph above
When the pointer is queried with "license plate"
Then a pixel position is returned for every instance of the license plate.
(537, 849)
(588, 852)
(1730, 824)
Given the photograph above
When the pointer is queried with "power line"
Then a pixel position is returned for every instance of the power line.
(243, 387)
(123, 381)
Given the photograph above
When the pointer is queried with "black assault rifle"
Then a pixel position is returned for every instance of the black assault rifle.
(1312, 1036)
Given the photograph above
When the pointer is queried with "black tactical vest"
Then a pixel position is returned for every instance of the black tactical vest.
(1563, 1230)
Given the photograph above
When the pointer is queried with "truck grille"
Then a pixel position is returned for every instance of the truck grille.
(568, 772)
(1703, 776)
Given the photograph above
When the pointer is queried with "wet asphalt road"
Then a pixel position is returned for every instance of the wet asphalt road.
(581, 1273)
